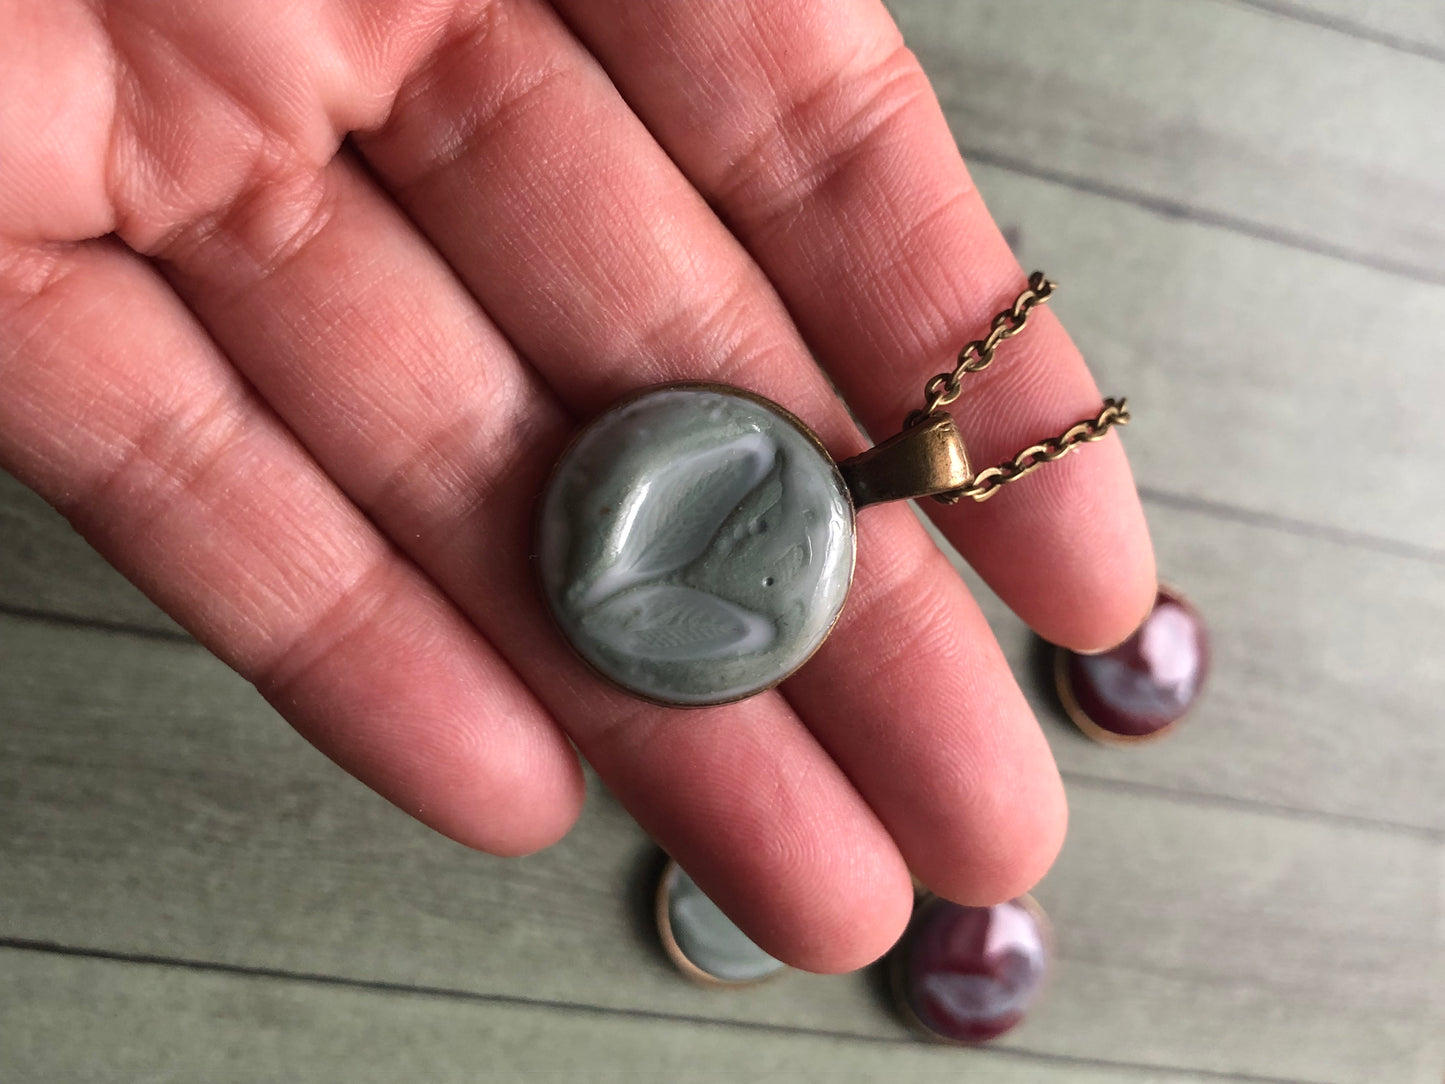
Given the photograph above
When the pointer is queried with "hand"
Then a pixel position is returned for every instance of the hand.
(298, 303)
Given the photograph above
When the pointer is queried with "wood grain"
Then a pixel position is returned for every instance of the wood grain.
(1398, 24)
(1261, 377)
(1213, 111)
(1243, 202)
(1326, 677)
(167, 1024)
(160, 808)
(46, 568)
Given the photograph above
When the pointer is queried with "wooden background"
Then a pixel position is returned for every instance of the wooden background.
(1245, 202)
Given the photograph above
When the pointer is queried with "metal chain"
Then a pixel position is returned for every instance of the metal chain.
(978, 355)
(987, 482)
(945, 388)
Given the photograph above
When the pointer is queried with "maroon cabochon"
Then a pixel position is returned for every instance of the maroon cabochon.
(1150, 680)
(968, 974)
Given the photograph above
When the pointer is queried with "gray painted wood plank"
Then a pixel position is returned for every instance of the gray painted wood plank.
(1260, 377)
(80, 1020)
(45, 567)
(1408, 25)
(156, 806)
(1222, 111)
(1280, 381)
(159, 807)
(1328, 692)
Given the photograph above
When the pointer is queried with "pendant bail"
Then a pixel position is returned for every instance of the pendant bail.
(926, 458)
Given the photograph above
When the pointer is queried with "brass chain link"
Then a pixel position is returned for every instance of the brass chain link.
(945, 388)
(978, 355)
(988, 481)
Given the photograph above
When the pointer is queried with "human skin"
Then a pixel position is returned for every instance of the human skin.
(299, 302)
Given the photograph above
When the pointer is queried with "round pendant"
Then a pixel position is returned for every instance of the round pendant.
(696, 544)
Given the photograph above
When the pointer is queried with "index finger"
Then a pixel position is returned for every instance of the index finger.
(816, 134)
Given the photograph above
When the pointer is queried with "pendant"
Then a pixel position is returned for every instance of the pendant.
(696, 541)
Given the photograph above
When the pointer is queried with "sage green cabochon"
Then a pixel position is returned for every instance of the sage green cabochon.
(696, 544)
(706, 937)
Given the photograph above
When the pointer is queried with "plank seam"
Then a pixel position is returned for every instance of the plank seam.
(1201, 982)
(1249, 805)
(96, 624)
(1101, 782)
(383, 986)
(1302, 528)
(1185, 212)
(1345, 27)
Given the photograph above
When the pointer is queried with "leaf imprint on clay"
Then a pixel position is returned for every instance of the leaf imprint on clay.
(672, 515)
(667, 623)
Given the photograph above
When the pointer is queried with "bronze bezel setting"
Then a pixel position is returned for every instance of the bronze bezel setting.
(738, 393)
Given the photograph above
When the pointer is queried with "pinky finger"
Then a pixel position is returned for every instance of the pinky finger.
(118, 409)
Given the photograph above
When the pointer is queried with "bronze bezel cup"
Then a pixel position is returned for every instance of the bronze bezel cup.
(688, 385)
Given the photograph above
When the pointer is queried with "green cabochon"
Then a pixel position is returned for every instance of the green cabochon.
(696, 544)
(706, 938)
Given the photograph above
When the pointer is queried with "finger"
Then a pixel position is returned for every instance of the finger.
(119, 411)
(815, 133)
(216, 109)
(360, 335)
(743, 795)
(606, 270)
(913, 696)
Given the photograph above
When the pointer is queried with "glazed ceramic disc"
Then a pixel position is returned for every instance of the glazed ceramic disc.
(696, 544)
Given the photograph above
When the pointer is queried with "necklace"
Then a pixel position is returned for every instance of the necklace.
(696, 541)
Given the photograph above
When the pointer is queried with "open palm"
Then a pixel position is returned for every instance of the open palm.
(299, 301)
